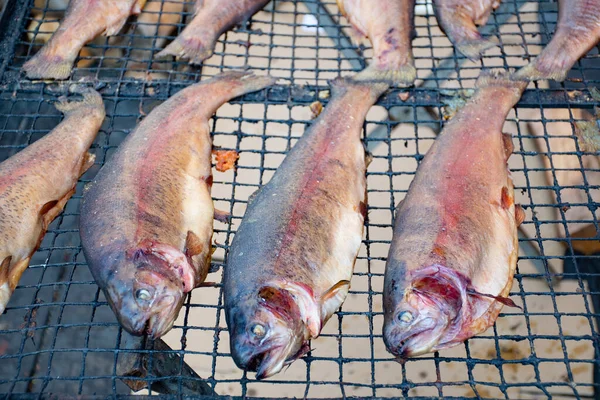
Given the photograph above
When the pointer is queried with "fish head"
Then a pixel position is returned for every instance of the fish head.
(267, 331)
(146, 296)
(428, 315)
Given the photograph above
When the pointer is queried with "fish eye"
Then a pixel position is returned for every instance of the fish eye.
(143, 294)
(258, 330)
(405, 317)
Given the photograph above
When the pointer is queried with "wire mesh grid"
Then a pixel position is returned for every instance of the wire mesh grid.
(58, 334)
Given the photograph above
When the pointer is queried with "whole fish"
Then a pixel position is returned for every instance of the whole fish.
(459, 20)
(37, 182)
(84, 20)
(454, 249)
(291, 260)
(389, 24)
(211, 19)
(577, 32)
(147, 219)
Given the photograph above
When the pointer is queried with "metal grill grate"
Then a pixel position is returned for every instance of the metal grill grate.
(58, 334)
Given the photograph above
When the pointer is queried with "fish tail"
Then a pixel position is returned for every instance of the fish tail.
(245, 81)
(373, 89)
(542, 68)
(195, 49)
(404, 76)
(474, 49)
(91, 99)
(499, 78)
(43, 66)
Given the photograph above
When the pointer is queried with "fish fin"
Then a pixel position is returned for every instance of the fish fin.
(193, 248)
(5, 291)
(91, 98)
(48, 206)
(546, 68)
(12, 275)
(474, 49)
(51, 209)
(519, 214)
(403, 77)
(252, 197)
(372, 88)
(87, 162)
(4, 268)
(368, 157)
(499, 78)
(198, 6)
(40, 66)
(222, 216)
(193, 245)
(505, 198)
(333, 298)
(357, 37)
(504, 300)
(195, 49)
(362, 209)
(115, 28)
(508, 145)
(137, 7)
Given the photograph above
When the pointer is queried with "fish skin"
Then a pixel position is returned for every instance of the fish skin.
(389, 24)
(459, 20)
(84, 20)
(292, 258)
(455, 232)
(147, 218)
(37, 182)
(577, 32)
(211, 19)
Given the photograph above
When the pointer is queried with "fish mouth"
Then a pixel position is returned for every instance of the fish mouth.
(154, 321)
(420, 339)
(267, 362)
(154, 325)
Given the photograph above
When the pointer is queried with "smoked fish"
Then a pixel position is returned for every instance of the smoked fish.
(211, 19)
(84, 20)
(459, 20)
(454, 248)
(291, 260)
(147, 218)
(389, 24)
(577, 32)
(37, 182)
